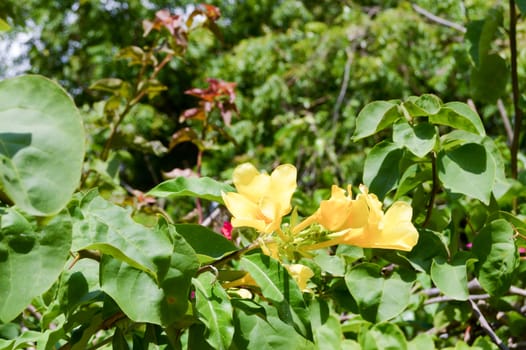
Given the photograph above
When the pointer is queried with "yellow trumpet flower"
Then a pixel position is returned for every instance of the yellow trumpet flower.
(261, 200)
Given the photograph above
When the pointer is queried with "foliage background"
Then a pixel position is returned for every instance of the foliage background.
(303, 69)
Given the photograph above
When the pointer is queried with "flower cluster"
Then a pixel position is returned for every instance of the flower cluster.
(262, 200)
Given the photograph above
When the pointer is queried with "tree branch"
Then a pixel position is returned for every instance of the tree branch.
(516, 92)
(487, 327)
(438, 20)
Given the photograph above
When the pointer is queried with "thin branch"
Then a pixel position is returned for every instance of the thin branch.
(516, 92)
(505, 121)
(438, 20)
(487, 327)
(344, 87)
(444, 298)
(517, 291)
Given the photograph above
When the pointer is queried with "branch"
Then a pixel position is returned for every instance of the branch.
(516, 92)
(505, 120)
(487, 327)
(444, 298)
(438, 20)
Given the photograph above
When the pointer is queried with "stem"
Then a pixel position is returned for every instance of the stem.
(434, 189)
(198, 205)
(487, 327)
(228, 257)
(515, 88)
(129, 105)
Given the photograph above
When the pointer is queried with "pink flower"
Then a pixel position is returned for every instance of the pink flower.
(226, 230)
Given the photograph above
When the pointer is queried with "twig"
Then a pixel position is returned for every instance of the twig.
(444, 298)
(487, 327)
(505, 120)
(344, 87)
(438, 20)
(517, 291)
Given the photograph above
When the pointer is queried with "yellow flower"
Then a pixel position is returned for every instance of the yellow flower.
(300, 273)
(361, 222)
(261, 199)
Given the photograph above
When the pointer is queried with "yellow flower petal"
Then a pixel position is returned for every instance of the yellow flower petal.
(300, 273)
(282, 187)
(262, 200)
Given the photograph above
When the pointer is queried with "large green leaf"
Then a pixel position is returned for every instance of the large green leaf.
(203, 187)
(418, 139)
(41, 144)
(469, 170)
(280, 288)
(208, 244)
(379, 298)
(258, 326)
(140, 296)
(480, 34)
(214, 311)
(136, 293)
(101, 225)
(381, 169)
(374, 117)
(30, 262)
(497, 256)
(460, 116)
(488, 80)
(451, 279)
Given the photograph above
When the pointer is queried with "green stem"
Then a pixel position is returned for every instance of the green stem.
(434, 190)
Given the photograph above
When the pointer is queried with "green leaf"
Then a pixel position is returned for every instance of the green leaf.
(460, 116)
(422, 341)
(419, 139)
(280, 288)
(451, 279)
(521, 4)
(41, 144)
(214, 311)
(203, 187)
(497, 255)
(381, 168)
(383, 336)
(374, 117)
(468, 170)
(326, 327)
(4, 27)
(481, 33)
(429, 246)
(136, 293)
(412, 177)
(144, 299)
(258, 326)
(379, 298)
(488, 80)
(208, 244)
(101, 225)
(31, 257)
(422, 106)
(112, 85)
